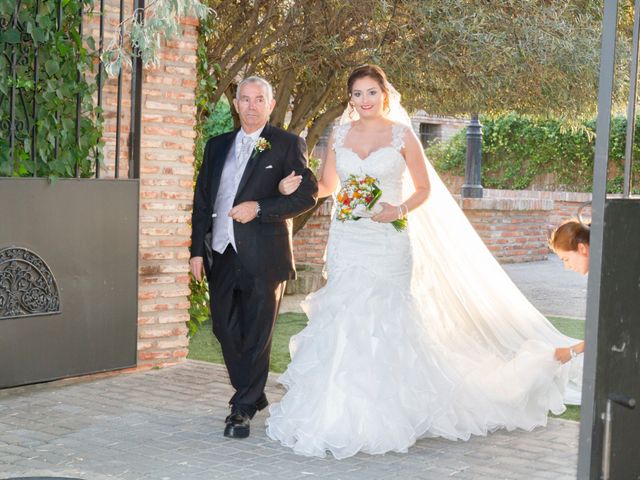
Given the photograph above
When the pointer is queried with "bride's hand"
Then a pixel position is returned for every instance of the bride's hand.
(388, 214)
(290, 183)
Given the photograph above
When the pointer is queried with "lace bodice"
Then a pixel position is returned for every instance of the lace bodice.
(386, 163)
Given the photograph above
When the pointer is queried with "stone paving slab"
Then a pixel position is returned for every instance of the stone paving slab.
(167, 425)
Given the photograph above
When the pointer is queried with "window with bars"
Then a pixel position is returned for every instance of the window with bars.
(429, 132)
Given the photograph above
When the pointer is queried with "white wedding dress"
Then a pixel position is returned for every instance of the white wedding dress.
(411, 337)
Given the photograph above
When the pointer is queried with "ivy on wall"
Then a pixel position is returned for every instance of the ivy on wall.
(517, 149)
(64, 62)
(65, 71)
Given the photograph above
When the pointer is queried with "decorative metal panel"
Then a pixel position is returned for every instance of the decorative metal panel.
(27, 286)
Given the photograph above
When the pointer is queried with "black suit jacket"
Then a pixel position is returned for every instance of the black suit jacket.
(264, 244)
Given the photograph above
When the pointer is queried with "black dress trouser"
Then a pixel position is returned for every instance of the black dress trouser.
(243, 310)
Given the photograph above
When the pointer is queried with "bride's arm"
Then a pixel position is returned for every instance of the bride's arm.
(328, 179)
(327, 176)
(416, 163)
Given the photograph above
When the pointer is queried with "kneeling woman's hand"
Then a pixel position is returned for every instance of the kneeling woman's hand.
(563, 355)
(290, 183)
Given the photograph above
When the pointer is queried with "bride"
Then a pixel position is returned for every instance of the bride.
(417, 333)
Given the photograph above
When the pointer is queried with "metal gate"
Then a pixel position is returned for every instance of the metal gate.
(610, 426)
(68, 246)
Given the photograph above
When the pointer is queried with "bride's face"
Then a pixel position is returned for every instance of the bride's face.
(367, 98)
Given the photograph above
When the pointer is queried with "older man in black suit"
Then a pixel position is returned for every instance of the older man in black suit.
(241, 238)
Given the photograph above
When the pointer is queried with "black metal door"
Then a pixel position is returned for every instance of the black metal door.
(615, 431)
(69, 247)
(87, 258)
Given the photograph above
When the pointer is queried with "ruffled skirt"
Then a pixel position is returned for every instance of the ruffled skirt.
(367, 373)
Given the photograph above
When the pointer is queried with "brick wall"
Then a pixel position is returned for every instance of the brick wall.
(514, 230)
(514, 224)
(310, 242)
(564, 204)
(166, 193)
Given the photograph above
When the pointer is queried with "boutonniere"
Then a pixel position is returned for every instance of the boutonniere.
(262, 144)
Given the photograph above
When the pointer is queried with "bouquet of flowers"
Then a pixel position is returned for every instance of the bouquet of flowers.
(357, 199)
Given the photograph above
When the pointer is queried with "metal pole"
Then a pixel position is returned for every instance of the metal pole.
(12, 96)
(79, 96)
(591, 428)
(56, 144)
(99, 78)
(472, 187)
(34, 111)
(136, 103)
(631, 105)
(119, 98)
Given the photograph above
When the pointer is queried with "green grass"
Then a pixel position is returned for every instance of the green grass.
(573, 328)
(569, 326)
(204, 346)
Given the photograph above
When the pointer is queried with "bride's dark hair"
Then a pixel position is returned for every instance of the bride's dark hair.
(375, 72)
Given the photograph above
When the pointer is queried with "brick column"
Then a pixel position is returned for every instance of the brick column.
(166, 192)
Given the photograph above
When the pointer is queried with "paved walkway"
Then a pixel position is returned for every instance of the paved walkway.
(552, 289)
(167, 425)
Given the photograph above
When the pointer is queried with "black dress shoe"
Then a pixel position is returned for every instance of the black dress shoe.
(237, 425)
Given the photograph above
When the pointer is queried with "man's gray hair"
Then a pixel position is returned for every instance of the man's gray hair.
(255, 79)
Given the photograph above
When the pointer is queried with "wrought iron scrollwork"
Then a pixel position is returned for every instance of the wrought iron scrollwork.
(27, 286)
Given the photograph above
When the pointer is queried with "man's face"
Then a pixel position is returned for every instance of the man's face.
(253, 106)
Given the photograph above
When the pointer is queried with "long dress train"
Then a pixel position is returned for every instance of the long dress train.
(412, 337)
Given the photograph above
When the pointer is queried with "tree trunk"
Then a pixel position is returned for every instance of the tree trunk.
(322, 122)
(283, 96)
(301, 220)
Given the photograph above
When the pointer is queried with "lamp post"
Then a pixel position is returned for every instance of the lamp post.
(472, 187)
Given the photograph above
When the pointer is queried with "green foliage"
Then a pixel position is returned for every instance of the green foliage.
(63, 63)
(199, 308)
(214, 120)
(532, 57)
(516, 149)
(141, 35)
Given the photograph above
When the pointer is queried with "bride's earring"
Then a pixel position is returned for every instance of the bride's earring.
(351, 110)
